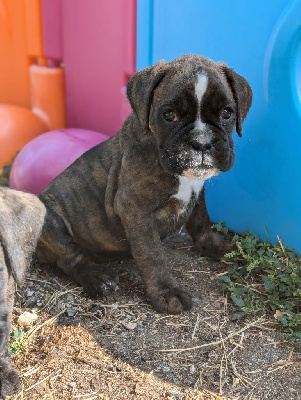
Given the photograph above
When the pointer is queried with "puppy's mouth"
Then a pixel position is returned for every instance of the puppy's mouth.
(200, 167)
(202, 172)
(193, 165)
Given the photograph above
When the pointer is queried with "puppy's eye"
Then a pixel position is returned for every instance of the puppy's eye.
(170, 115)
(226, 113)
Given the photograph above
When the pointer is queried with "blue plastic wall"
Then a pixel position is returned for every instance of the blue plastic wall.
(261, 40)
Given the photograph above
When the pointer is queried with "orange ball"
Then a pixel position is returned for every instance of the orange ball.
(18, 126)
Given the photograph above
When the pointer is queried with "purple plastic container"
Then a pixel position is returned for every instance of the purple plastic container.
(46, 156)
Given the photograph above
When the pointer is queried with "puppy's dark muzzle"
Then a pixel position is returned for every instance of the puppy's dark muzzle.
(201, 143)
(201, 146)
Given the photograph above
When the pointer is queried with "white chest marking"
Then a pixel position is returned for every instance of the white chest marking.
(188, 186)
(200, 89)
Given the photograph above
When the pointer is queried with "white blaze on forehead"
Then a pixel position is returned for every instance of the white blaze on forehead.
(201, 86)
(200, 89)
(187, 186)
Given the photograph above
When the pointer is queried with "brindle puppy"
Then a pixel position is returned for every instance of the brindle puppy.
(122, 197)
(21, 220)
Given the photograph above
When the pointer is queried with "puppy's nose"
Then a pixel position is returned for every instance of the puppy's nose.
(199, 144)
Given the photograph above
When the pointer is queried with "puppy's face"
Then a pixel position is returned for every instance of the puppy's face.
(193, 124)
(194, 106)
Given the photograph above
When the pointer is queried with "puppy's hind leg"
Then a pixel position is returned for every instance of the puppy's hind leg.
(57, 246)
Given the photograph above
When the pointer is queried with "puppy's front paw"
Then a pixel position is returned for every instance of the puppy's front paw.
(169, 298)
(97, 280)
(213, 245)
(9, 380)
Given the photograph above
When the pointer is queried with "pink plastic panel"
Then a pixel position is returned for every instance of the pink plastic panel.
(98, 48)
(52, 30)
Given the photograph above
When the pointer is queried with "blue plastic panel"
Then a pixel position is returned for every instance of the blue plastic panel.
(261, 41)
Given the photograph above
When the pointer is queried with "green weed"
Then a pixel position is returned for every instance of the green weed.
(17, 342)
(265, 279)
(220, 227)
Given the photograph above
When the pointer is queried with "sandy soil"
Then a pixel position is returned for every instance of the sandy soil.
(120, 348)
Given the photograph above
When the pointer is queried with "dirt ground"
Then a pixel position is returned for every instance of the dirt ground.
(120, 348)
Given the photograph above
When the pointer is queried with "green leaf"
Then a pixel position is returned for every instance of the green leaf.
(268, 284)
(238, 301)
(239, 291)
(16, 334)
(225, 278)
(283, 320)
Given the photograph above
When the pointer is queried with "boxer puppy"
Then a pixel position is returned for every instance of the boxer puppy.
(21, 220)
(122, 197)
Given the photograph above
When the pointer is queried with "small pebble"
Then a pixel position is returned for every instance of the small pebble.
(244, 390)
(70, 312)
(173, 393)
(95, 323)
(165, 369)
(192, 369)
(29, 293)
(54, 311)
(130, 325)
(94, 309)
(147, 321)
(146, 357)
(69, 298)
(30, 302)
(27, 319)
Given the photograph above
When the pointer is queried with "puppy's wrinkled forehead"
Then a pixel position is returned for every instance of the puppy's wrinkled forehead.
(194, 84)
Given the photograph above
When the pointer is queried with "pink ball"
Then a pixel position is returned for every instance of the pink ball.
(46, 156)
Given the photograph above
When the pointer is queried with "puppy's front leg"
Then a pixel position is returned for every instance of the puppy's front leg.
(206, 242)
(4, 314)
(164, 292)
(9, 380)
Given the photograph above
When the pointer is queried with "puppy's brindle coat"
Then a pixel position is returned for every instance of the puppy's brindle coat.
(122, 197)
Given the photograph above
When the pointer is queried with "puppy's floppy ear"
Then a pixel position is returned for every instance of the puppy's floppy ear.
(140, 90)
(242, 93)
